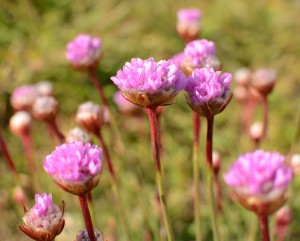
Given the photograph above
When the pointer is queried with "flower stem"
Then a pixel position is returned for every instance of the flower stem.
(196, 119)
(264, 227)
(159, 178)
(54, 128)
(95, 79)
(212, 200)
(87, 216)
(265, 115)
(4, 149)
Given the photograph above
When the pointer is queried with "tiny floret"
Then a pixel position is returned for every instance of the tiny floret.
(150, 83)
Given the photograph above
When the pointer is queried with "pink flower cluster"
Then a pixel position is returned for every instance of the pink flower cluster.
(83, 50)
(259, 174)
(189, 16)
(74, 162)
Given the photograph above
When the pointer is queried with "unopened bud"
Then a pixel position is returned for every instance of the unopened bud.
(20, 123)
(89, 116)
(242, 76)
(283, 216)
(78, 134)
(256, 131)
(45, 108)
(295, 163)
(19, 196)
(263, 80)
(83, 235)
(216, 161)
(44, 88)
(23, 97)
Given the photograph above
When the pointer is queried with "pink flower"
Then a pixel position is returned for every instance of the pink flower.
(45, 220)
(259, 174)
(23, 97)
(208, 91)
(150, 83)
(189, 16)
(83, 51)
(75, 166)
(83, 235)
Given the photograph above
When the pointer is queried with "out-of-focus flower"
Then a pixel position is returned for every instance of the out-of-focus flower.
(208, 92)
(256, 131)
(295, 163)
(44, 221)
(75, 166)
(284, 216)
(243, 77)
(149, 83)
(77, 134)
(44, 88)
(20, 123)
(259, 181)
(23, 97)
(188, 23)
(178, 58)
(263, 80)
(19, 195)
(124, 105)
(241, 94)
(89, 116)
(45, 108)
(83, 235)
(216, 161)
(83, 52)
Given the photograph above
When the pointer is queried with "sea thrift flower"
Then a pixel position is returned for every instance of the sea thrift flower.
(44, 88)
(20, 123)
(263, 80)
(83, 52)
(124, 105)
(243, 76)
(23, 97)
(208, 92)
(256, 131)
(188, 23)
(44, 221)
(45, 108)
(149, 83)
(75, 166)
(83, 235)
(259, 181)
(77, 134)
(241, 94)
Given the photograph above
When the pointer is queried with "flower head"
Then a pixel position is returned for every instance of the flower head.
(45, 108)
(44, 88)
(208, 91)
(45, 220)
(263, 80)
(83, 235)
(83, 51)
(75, 166)
(149, 83)
(20, 123)
(76, 134)
(23, 97)
(260, 178)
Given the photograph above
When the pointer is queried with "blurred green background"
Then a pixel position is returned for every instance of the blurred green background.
(247, 33)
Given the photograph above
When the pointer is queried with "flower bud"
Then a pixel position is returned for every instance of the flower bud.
(44, 88)
(44, 221)
(78, 134)
(23, 97)
(83, 235)
(20, 123)
(45, 108)
(263, 80)
(216, 161)
(295, 163)
(256, 131)
(283, 216)
(243, 77)
(19, 195)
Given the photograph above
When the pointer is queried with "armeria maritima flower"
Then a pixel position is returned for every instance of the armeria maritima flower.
(75, 166)
(259, 180)
(77, 134)
(83, 235)
(23, 97)
(83, 52)
(149, 83)
(208, 92)
(20, 123)
(45, 108)
(44, 221)
(263, 80)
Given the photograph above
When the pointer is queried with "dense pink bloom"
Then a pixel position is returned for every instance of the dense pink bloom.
(83, 50)
(178, 58)
(259, 174)
(44, 221)
(146, 82)
(189, 16)
(197, 52)
(23, 97)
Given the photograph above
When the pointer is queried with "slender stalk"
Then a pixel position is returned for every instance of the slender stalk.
(253, 227)
(115, 186)
(196, 178)
(159, 178)
(4, 149)
(28, 148)
(264, 227)
(87, 216)
(54, 128)
(212, 200)
(217, 187)
(265, 115)
(95, 79)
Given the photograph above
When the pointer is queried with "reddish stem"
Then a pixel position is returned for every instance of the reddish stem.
(209, 141)
(87, 216)
(54, 128)
(95, 79)
(7, 155)
(28, 148)
(265, 115)
(264, 227)
(219, 195)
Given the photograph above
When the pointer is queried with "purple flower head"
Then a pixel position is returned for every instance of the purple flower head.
(83, 51)
(23, 97)
(263, 80)
(150, 83)
(75, 166)
(197, 51)
(208, 91)
(44, 221)
(189, 16)
(259, 174)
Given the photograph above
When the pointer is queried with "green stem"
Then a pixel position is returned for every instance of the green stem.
(159, 179)
(212, 200)
(196, 175)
